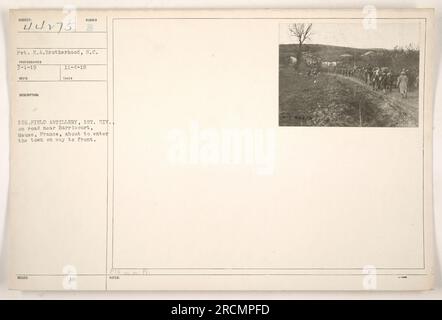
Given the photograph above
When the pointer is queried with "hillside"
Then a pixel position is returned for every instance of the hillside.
(395, 59)
(325, 52)
(333, 100)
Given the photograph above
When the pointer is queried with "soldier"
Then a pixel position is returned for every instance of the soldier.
(389, 81)
(375, 80)
(402, 83)
(369, 75)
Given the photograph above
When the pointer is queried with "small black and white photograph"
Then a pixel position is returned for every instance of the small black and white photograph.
(349, 74)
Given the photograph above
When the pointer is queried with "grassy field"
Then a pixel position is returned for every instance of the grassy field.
(327, 100)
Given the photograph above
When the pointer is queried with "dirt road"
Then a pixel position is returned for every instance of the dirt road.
(393, 99)
(329, 99)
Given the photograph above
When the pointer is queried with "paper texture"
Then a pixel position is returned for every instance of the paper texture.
(221, 149)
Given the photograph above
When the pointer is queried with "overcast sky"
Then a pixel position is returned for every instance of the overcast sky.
(386, 35)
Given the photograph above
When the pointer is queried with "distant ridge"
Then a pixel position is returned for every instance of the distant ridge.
(325, 52)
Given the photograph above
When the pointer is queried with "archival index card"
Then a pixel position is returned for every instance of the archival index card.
(221, 149)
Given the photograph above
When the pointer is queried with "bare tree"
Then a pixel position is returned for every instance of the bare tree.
(302, 32)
